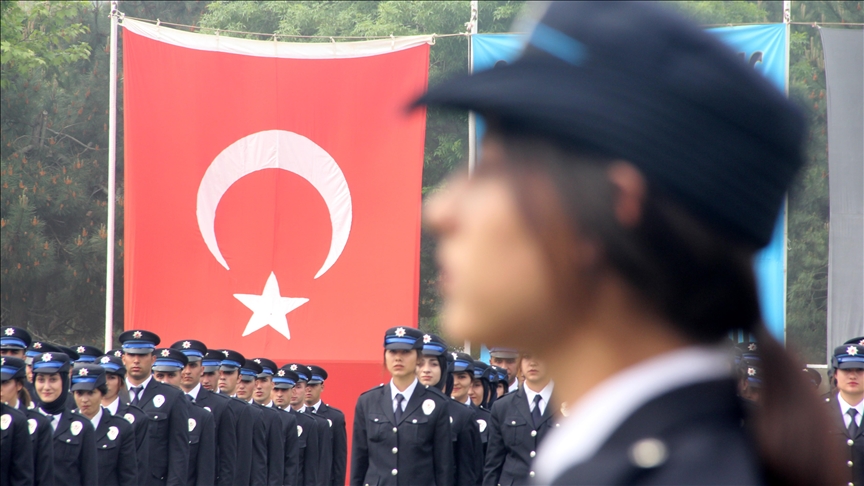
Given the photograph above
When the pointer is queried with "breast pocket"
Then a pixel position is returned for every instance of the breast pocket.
(418, 428)
(377, 427)
(514, 430)
(158, 427)
(67, 448)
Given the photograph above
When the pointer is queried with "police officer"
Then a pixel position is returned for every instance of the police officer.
(335, 419)
(401, 429)
(307, 437)
(274, 440)
(14, 394)
(263, 397)
(482, 392)
(250, 428)
(14, 341)
(223, 416)
(506, 358)
(115, 437)
(16, 451)
(87, 354)
(503, 381)
(202, 428)
(519, 423)
(75, 460)
(166, 409)
(116, 402)
(322, 427)
(846, 407)
(36, 348)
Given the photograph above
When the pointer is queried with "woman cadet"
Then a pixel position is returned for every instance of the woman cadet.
(14, 393)
(401, 429)
(632, 168)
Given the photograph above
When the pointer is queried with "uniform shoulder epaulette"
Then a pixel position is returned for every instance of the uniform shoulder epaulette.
(373, 389)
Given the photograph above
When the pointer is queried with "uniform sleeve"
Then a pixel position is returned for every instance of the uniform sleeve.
(88, 465)
(206, 466)
(359, 446)
(443, 451)
(469, 454)
(127, 461)
(259, 449)
(178, 443)
(496, 452)
(21, 469)
(310, 470)
(43, 454)
(245, 432)
(325, 443)
(340, 450)
(292, 451)
(227, 442)
(275, 451)
(142, 446)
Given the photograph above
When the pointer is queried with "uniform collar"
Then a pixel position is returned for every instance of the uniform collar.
(316, 406)
(545, 394)
(513, 387)
(845, 406)
(194, 392)
(96, 418)
(112, 408)
(144, 384)
(406, 394)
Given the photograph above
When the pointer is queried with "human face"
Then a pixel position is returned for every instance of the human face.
(502, 389)
(534, 372)
(9, 392)
(263, 389)
(138, 366)
(168, 377)
(313, 393)
(88, 402)
(228, 381)
(210, 381)
(428, 370)
(508, 364)
(245, 389)
(475, 393)
(282, 397)
(14, 353)
(495, 275)
(298, 395)
(49, 386)
(112, 382)
(401, 363)
(461, 384)
(850, 382)
(191, 375)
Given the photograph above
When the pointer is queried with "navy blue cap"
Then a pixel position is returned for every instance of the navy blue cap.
(433, 345)
(11, 368)
(231, 360)
(73, 355)
(752, 371)
(502, 374)
(403, 338)
(857, 340)
(14, 338)
(749, 350)
(302, 371)
(112, 364)
(462, 362)
(507, 353)
(638, 82)
(211, 361)
(139, 341)
(250, 370)
(118, 353)
(87, 376)
(317, 374)
(169, 360)
(194, 350)
(87, 354)
(481, 369)
(813, 376)
(285, 379)
(848, 356)
(38, 347)
(268, 367)
(51, 363)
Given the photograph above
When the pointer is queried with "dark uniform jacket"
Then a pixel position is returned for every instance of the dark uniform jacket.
(202, 447)
(307, 442)
(258, 474)
(141, 424)
(698, 430)
(275, 445)
(417, 450)
(291, 446)
(168, 433)
(115, 451)
(16, 448)
(467, 447)
(75, 460)
(245, 432)
(336, 420)
(513, 439)
(484, 420)
(853, 447)
(226, 434)
(325, 448)
(42, 438)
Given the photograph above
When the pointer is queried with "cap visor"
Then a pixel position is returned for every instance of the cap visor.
(398, 346)
(83, 386)
(6, 376)
(138, 351)
(850, 365)
(167, 369)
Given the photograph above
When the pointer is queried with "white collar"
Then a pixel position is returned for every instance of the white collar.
(270, 405)
(593, 419)
(514, 386)
(112, 408)
(406, 394)
(845, 406)
(144, 384)
(316, 406)
(96, 418)
(545, 394)
(194, 392)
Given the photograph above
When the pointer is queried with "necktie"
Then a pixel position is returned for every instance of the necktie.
(535, 414)
(135, 391)
(190, 398)
(853, 426)
(55, 419)
(310, 410)
(398, 410)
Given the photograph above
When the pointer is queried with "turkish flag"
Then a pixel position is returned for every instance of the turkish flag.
(273, 195)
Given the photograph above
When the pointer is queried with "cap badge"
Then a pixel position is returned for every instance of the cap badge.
(118, 353)
(31, 425)
(129, 418)
(158, 400)
(400, 331)
(9, 331)
(76, 427)
(186, 344)
(281, 373)
(5, 421)
(165, 353)
(37, 345)
(428, 406)
(137, 334)
(80, 349)
(113, 432)
(482, 424)
(751, 371)
(861, 342)
(47, 357)
(225, 352)
(427, 339)
(257, 360)
(851, 350)
(83, 372)
(455, 355)
(294, 367)
(104, 359)
(192, 424)
(752, 347)
(309, 368)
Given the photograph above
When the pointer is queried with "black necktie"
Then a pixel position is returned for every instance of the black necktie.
(398, 410)
(853, 426)
(135, 391)
(190, 398)
(310, 410)
(535, 414)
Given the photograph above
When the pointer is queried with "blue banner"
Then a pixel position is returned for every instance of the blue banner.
(761, 46)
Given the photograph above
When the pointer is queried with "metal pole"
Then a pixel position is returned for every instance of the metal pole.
(787, 19)
(472, 118)
(112, 181)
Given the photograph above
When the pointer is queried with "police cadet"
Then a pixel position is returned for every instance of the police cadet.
(846, 408)
(307, 437)
(14, 341)
(461, 370)
(464, 431)
(16, 451)
(212, 364)
(115, 437)
(36, 348)
(506, 358)
(166, 409)
(263, 396)
(503, 381)
(483, 391)
(116, 402)
(223, 416)
(274, 442)
(74, 445)
(401, 429)
(335, 418)
(251, 469)
(322, 426)
(87, 354)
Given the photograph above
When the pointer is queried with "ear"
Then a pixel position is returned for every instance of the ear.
(630, 188)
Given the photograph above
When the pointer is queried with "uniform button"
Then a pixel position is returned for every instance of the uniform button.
(850, 442)
(850, 484)
(414, 421)
(68, 440)
(533, 433)
(513, 423)
(531, 474)
(395, 430)
(532, 454)
(104, 446)
(375, 420)
(394, 472)
(395, 450)
(849, 464)
(648, 453)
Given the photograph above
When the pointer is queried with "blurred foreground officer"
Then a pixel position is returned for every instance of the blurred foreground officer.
(16, 451)
(202, 428)
(401, 429)
(115, 437)
(223, 416)
(506, 358)
(631, 168)
(846, 408)
(74, 445)
(165, 407)
(335, 418)
(307, 439)
(14, 394)
(116, 402)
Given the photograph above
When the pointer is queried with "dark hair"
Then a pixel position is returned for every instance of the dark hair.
(24, 398)
(695, 274)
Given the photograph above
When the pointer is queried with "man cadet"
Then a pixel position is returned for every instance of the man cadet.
(506, 358)
(322, 426)
(250, 431)
(202, 428)
(116, 402)
(262, 395)
(307, 440)
(274, 441)
(223, 416)
(846, 407)
(166, 409)
(336, 419)
(16, 451)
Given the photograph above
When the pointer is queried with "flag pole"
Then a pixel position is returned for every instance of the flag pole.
(472, 117)
(112, 180)
(787, 19)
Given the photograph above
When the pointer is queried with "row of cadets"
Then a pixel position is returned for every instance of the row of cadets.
(285, 391)
(321, 426)
(263, 396)
(461, 378)
(334, 417)
(41, 461)
(274, 442)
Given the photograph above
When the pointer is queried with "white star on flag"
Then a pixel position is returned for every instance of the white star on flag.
(269, 308)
